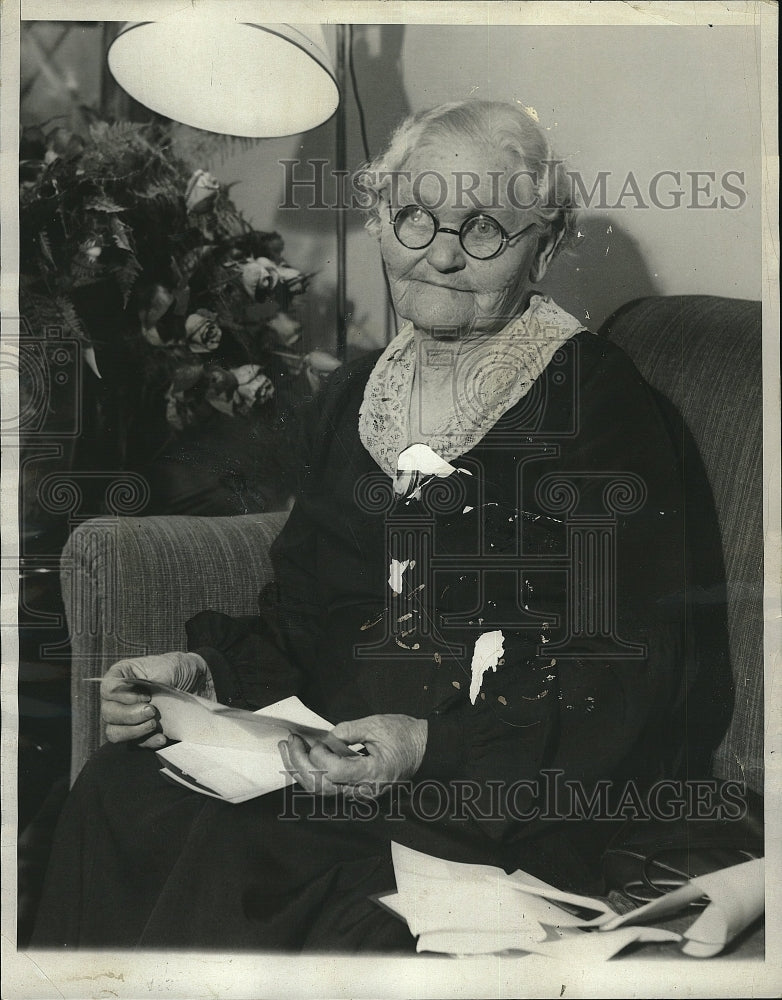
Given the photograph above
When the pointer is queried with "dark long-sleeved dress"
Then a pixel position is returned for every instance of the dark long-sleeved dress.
(574, 529)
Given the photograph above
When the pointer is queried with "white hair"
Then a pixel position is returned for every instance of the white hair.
(496, 125)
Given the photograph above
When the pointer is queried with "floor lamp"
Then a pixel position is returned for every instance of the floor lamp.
(341, 159)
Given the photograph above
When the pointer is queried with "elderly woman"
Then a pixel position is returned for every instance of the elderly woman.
(485, 580)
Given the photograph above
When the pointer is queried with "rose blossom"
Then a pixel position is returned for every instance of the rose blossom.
(253, 387)
(292, 278)
(287, 328)
(202, 334)
(318, 366)
(201, 191)
(259, 275)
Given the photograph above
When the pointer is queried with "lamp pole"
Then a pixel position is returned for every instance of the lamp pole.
(341, 157)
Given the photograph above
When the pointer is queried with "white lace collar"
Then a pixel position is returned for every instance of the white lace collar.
(487, 375)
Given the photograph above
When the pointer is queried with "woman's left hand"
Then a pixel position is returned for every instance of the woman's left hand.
(395, 747)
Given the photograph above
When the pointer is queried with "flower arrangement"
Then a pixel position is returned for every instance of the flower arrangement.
(147, 262)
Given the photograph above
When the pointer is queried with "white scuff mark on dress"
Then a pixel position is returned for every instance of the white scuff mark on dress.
(488, 651)
(396, 571)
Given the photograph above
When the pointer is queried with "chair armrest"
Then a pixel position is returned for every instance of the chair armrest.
(129, 585)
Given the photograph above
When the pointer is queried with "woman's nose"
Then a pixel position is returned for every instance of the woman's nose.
(445, 252)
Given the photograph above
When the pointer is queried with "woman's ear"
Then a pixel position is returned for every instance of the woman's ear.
(546, 250)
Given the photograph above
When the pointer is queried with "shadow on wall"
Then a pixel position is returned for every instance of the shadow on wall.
(376, 57)
(602, 271)
(377, 53)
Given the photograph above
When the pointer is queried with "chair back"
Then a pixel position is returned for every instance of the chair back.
(704, 354)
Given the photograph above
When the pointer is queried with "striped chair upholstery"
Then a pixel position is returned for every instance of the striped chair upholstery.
(704, 354)
(130, 583)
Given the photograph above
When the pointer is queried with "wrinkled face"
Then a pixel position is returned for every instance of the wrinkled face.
(441, 286)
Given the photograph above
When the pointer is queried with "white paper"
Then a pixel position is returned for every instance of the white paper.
(234, 775)
(465, 909)
(581, 947)
(193, 719)
(470, 942)
(240, 772)
(737, 897)
(574, 948)
(594, 912)
(436, 895)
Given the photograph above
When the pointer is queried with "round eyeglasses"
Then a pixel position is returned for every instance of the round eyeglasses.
(480, 236)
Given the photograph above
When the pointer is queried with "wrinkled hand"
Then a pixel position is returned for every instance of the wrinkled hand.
(127, 712)
(395, 748)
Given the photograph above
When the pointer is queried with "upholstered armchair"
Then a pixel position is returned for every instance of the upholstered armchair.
(129, 584)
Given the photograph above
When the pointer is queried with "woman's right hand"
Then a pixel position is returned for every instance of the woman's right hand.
(127, 711)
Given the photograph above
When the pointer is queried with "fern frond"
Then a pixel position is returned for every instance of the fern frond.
(126, 276)
(84, 274)
(120, 234)
(46, 247)
(71, 320)
(38, 311)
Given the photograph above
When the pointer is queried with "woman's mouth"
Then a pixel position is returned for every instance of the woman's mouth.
(440, 284)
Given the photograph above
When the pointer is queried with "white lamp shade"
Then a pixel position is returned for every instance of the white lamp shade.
(251, 80)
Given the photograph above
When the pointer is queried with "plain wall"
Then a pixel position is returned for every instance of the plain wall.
(617, 99)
